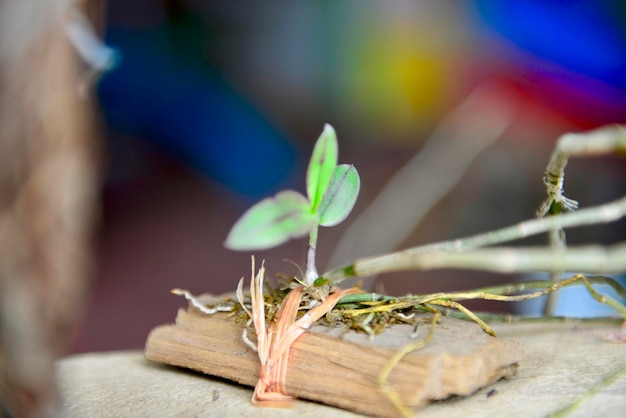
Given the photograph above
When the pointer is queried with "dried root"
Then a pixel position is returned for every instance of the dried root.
(274, 341)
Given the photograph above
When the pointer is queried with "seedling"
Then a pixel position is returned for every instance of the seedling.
(278, 317)
(332, 191)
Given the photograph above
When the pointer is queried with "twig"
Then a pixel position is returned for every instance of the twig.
(601, 141)
(597, 259)
(452, 254)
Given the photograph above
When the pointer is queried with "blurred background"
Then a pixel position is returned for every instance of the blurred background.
(215, 105)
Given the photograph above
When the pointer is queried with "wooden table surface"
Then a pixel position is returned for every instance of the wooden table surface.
(563, 361)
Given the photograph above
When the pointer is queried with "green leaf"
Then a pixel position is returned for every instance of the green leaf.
(340, 196)
(320, 281)
(321, 167)
(272, 222)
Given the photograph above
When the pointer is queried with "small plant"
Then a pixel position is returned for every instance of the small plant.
(332, 191)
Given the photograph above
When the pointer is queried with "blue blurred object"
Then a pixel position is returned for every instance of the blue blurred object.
(583, 36)
(574, 52)
(157, 95)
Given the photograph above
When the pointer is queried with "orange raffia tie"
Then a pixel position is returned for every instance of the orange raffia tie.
(274, 342)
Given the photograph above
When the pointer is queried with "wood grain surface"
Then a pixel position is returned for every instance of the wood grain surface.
(340, 367)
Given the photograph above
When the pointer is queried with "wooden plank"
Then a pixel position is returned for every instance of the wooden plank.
(562, 361)
(341, 368)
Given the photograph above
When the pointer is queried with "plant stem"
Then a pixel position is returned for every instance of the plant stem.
(600, 141)
(597, 259)
(558, 245)
(439, 255)
(311, 271)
